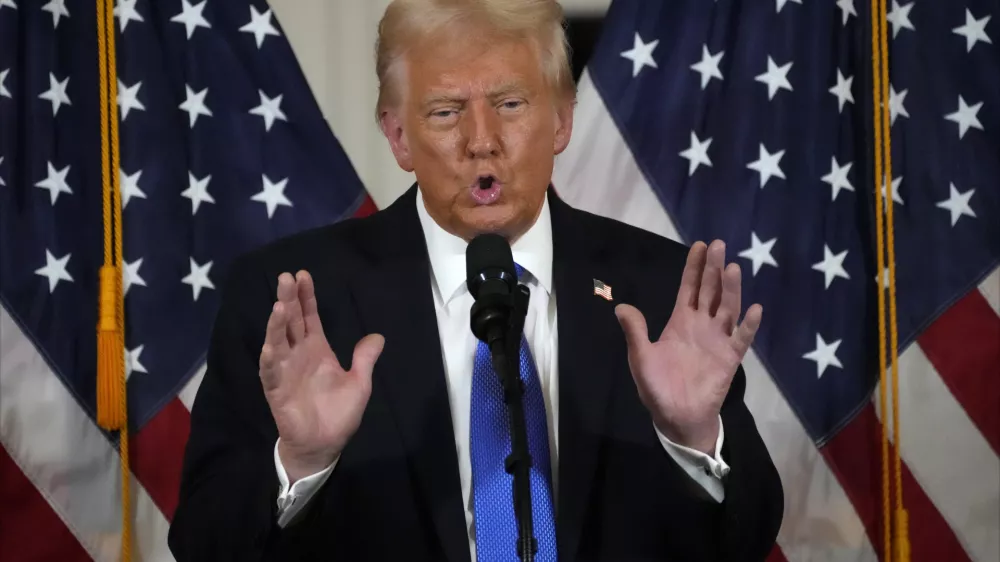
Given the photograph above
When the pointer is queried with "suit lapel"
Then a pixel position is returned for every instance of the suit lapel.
(394, 298)
(588, 332)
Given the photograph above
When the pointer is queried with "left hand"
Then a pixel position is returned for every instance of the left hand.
(684, 376)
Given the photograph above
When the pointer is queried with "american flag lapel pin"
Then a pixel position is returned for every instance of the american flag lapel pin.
(602, 289)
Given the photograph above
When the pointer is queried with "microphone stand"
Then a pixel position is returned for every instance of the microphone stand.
(505, 351)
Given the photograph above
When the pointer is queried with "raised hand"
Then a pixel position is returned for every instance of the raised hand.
(684, 376)
(316, 404)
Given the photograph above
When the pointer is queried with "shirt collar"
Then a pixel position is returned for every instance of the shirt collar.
(532, 251)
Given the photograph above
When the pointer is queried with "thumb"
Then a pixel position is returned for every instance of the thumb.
(633, 323)
(366, 353)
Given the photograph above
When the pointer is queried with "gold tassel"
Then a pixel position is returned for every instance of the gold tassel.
(110, 352)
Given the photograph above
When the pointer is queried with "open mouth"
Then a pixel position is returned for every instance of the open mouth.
(486, 189)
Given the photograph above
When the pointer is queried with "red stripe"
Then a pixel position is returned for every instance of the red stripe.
(31, 531)
(964, 346)
(156, 455)
(367, 207)
(855, 457)
(776, 555)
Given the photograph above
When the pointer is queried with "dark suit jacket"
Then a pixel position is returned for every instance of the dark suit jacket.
(395, 494)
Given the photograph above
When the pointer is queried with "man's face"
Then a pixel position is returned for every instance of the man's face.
(480, 127)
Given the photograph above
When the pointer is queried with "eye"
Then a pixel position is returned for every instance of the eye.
(512, 104)
(442, 113)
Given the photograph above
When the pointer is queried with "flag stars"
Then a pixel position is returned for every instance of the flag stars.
(4, 92)
(967, 116)
(129, 187)
(54, 270)
(842, 89)
(58, 9)
(958, 204)
(132, 363)
(708, 66)
(781, 4)
(197, 192)
(191, 17)
(198, 278)
(641, 54)
(974, 30)
(260, 25)
(269, 109)
(847, 9)
(759, 253)
(697, 153)
(8, 4)
(130, 275)
(128, 98)
(55, 182)
(2, 183)
(837, 178)
(776, 78)
(194, 104)
(56, 93)
(832, 265)
(899, 17)
(825, 355)
(767, 165)
(896, 107)
(126, 11)
(896, 197)
(272, 195)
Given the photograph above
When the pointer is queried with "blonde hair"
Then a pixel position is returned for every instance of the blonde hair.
(407, 22)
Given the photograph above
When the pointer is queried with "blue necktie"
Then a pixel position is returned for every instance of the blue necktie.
(490, 443)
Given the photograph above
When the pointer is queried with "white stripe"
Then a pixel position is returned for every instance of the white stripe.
(990, 288)
(948, 456)
(66, 457)
(190, 390)
(597, 173)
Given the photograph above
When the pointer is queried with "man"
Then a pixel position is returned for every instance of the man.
(348, 413)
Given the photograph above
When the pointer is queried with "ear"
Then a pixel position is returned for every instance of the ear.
(391, 123)
(563, 124)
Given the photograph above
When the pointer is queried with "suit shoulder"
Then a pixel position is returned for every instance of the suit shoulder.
(634, 243)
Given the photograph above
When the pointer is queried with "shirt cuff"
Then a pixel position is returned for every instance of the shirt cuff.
(704, 469)
(292, 499)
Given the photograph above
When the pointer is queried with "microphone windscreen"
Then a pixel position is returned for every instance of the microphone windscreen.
(488, 257)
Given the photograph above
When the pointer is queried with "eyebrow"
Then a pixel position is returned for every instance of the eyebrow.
(501, 90)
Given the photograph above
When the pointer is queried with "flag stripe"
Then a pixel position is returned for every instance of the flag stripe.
(990, 288)
(962, 344)
(855, 454)
(157, 455)
(946, 453)
(599, 174)
(34, 533)
(66, 457)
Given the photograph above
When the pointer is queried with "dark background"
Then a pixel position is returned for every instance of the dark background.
(582, 33)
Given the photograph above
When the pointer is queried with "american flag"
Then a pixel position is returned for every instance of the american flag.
(751, 121)
(223, 148)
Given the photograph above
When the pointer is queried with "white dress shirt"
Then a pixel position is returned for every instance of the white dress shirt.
(452, 300)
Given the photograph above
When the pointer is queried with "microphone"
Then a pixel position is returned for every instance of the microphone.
(497, 318)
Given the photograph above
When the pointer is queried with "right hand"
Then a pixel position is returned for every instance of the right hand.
(316, 404)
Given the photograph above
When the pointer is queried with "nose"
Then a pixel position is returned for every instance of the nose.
(482, 127)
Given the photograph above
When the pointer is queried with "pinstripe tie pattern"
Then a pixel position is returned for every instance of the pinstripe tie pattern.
(490, 443)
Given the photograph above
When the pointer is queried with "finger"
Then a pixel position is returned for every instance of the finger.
(633, 323)
(275, 346)
(710, 292)
(307, 297)
(366, 353)
(747, 330)
(729, 305)
(687, 294)
(288, 294)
